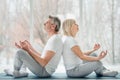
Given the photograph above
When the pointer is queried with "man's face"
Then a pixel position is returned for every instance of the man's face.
(48, 25)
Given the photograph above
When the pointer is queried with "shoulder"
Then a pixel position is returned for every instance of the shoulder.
(55, 38)
(68, 39)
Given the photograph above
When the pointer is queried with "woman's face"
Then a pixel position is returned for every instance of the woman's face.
(74, 29)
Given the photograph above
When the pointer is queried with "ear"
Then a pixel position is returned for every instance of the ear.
(53, 26)
(72, 28)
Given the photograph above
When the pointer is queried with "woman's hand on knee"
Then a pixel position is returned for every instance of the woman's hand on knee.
(102, 55)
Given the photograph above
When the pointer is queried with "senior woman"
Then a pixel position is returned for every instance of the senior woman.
(74, 58)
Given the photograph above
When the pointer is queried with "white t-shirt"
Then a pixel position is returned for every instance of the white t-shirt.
(54, 44)
(71, 60)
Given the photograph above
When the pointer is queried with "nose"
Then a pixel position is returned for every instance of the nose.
(77, 27)
(44, 24)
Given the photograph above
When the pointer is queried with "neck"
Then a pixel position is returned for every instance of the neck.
(73, 34)
(51, 34)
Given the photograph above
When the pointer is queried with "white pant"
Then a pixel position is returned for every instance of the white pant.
(23, 57)
(86, 68)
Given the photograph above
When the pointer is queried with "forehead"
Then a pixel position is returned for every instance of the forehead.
(75, 23)
(48, 20)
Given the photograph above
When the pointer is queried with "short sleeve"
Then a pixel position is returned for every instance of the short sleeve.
(53, 45)
(72, 42)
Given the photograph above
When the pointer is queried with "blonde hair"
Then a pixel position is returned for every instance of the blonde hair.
(67, 24)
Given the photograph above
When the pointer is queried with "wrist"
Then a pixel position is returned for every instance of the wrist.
(28, 50)
(98, 58)
(93, 50)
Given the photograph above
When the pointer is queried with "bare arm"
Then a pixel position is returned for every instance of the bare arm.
(42, 61)
(89, 52)
(30, 47)
(96, 47)
(37, 53)
(79, 53)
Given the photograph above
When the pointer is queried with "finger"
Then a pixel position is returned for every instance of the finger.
(21, 43)
(26, 41)
(106, 51)
(99, 45)
(95, 44)
(102, 53)
(15, 43)
(18, 46)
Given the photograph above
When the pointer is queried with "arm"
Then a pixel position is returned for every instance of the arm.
(89, 52)
(20, 46)
(43, 61)
(33, 50)
(96, 47)
(37, 53)
(79, 53)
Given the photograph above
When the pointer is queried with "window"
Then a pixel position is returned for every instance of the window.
(23, 19)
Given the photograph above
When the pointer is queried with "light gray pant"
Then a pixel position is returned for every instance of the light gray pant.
(86, 68)
(22, 57)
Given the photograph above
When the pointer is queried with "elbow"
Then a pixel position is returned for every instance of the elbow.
(44, 63)
(82, 57)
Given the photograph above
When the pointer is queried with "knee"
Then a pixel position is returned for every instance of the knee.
(97, 63)
(21, 53)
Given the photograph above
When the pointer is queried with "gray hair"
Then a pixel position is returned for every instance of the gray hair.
(56, 21)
